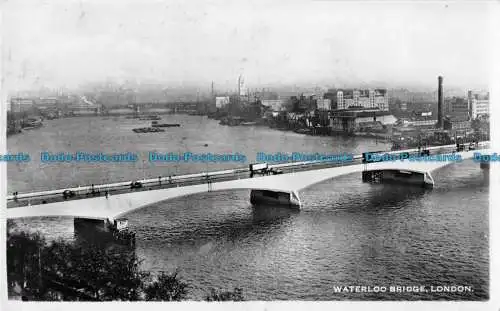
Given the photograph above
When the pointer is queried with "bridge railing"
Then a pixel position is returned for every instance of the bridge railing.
(357, 157)
(197, 176)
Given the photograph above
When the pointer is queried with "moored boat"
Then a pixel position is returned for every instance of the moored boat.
(148, 130)
(153, 117)
(248, 123)
(165, 125)
(32, 123)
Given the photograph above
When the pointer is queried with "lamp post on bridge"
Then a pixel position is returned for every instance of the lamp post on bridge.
(143, 170)
(206, 171)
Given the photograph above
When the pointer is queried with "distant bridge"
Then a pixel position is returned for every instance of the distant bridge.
(115, 206)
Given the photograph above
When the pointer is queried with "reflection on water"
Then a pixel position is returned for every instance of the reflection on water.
(264, 214)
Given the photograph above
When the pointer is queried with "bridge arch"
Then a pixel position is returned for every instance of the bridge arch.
(200, 191)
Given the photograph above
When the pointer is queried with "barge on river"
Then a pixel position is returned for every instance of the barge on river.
(156, 124)
(148, 130)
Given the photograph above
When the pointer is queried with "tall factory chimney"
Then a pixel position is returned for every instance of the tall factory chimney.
(440, 102)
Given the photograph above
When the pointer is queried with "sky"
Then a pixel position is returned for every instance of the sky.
(71, 43)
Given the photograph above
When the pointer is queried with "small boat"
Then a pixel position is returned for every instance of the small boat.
(303, 131)
(165, 125)
(148, 130)
(248, 123)
(32, 124)
(30, 127)
(150, 118)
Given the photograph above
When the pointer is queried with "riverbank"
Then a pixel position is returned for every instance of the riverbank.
(296, 127)
(385, 136)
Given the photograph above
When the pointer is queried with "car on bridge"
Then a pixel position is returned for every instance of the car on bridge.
(68, 194)
(258, 168)
(473, 145)
(275, 171)
(425, 152)
(135, 185)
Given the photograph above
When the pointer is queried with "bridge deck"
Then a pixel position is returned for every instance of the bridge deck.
(117, 205)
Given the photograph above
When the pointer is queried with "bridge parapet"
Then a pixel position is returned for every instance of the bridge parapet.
(120, 204)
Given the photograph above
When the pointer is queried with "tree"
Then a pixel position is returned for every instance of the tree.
(71, 271)
(23, 264)
(234, 295)
(86, 271)
(167, 287)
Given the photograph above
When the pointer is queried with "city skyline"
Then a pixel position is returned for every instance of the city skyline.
(303, 43)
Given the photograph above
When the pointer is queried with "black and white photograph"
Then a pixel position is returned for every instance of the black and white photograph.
(242, 151)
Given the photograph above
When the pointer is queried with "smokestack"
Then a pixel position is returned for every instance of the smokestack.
(440, 102)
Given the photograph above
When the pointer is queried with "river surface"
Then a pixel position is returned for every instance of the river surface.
(347, 233)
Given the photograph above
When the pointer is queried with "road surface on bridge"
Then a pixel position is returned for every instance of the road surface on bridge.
(164, 182)
(121, 204)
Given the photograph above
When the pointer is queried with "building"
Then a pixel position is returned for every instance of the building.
(19, 104)
(221, 101)
(480, 108)
(84, 106)
(457, 107)
(457, 123)
(448, 107)
(324, 104)
(266, 94)
(349, 120)
(367, 99)
(47, 103)
(331, 94)
(242, 91)
(304, 102)
(275, 104)
(479, 104)
(381, 99)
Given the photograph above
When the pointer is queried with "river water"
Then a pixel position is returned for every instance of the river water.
(347, 233)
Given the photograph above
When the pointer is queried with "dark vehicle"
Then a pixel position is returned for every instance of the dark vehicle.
(425, 152)
(460, 147)
(276, 171)
(258, 168)
(68, 194)
(135, 185)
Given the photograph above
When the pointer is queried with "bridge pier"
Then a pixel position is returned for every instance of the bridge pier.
(99, 231)
(290, 198)
(484, 165)
(87, 225)
(420, 179)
